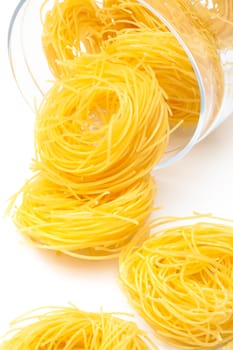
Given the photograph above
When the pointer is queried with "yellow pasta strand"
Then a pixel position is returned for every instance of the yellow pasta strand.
(180, 281)
(69, 328)
(87, 227)
(102, 128)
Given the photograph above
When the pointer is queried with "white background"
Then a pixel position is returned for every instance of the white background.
(29, 278)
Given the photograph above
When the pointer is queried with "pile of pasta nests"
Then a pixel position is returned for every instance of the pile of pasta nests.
(123, 85)
(179, 280)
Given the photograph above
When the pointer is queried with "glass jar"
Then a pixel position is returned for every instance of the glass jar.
(32, 74)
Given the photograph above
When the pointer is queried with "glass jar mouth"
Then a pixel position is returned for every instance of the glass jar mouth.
(200, 124)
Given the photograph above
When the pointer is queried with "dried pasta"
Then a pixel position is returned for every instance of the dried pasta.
(82, 226)
(123, 84)
(102, 128)
(119, 20)
(70, 27)
(162, 52)
(180, 281)
(69, 328)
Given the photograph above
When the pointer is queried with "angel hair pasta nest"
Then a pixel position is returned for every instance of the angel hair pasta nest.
(69, 329)
(180, 280)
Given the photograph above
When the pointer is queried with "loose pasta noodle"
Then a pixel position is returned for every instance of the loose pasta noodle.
(103, 128)
(180, 281)
(69, 328)
(87, 227)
